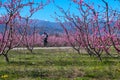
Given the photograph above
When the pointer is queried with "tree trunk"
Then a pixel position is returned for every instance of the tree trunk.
(6, 57)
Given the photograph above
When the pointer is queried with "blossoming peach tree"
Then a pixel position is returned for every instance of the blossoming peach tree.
(14, 30)
(95, 31)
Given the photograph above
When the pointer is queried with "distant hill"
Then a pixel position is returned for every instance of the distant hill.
(49, 27)
(42, 26)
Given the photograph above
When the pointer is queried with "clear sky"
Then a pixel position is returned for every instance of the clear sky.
(47, 13)
(49, 10)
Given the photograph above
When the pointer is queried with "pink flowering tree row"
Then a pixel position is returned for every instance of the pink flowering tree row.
(9, 20)
(37, 40)
(15, 26)
(30, 34)
(95, 31)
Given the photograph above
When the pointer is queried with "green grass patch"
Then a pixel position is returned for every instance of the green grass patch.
(58, 65)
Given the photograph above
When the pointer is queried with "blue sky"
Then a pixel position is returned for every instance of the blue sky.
(48, 11)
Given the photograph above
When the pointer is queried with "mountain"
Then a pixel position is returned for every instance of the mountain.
(50, 27)
(42, 26)
(47, 26)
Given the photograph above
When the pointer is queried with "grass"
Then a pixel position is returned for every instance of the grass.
(58, 65)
